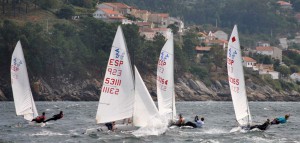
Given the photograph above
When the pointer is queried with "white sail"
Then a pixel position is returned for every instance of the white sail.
(117, 95)
(23, 99)
(165, 80)
(236, 80)
(144, 108)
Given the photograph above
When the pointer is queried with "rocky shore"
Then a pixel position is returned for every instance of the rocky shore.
(187, 88)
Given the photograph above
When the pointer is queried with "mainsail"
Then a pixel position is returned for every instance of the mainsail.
(117, 95)
(23, 99)
(236, 80)
(144, 107)
(165, 80)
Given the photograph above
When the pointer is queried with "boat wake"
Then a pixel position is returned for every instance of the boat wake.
(48, 133)
(157, 125)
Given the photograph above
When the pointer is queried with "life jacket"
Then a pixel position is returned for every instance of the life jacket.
(281, 120)
(40, 118)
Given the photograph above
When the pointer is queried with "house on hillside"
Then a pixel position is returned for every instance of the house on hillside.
(149, 33)
(295, 77)
(115, 6)
(274, 52)
(200, 52)
(144, 24)
(141, 14)
(158, 19)
(249, 62)
(264, 69)
(221, 35)
(283, 43)
(172, 20)
(285, 5)
(108, 15)
(263, 44)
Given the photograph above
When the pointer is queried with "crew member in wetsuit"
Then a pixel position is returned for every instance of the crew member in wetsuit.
(56, 117)
(264, 126)
(280, 120)
(180, 122)
(110, 126)
(198, 123)
(39, 119)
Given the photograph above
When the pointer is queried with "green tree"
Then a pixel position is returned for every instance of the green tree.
(66, 12)
(174, 28)
(284, 70)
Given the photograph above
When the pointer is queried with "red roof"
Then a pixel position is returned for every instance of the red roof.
(198, 48)
(260, 48)
(109, 11)
(248, 59)
(143, 23)
(283, 3)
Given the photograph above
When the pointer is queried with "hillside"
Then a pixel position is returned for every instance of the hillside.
(66, 59)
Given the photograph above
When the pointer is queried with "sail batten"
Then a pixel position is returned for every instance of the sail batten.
(236, 80)
(22, 94)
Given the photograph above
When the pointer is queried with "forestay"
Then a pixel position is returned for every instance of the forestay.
(23, 99)
(117, 96)
(236, 80)
(144, 108)
(165, 80)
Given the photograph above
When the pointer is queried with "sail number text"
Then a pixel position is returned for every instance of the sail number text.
(162, 80)
(110, 90)
(235, 81)
(114, 62)
(113, 71)
(112, 81)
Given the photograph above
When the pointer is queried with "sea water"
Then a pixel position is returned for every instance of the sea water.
(219, 120)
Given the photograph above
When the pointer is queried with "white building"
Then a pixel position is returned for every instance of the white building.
(108, 15)
(221, 35)
(274, 52)
(249, 62)
(295, 76)
(149, 33)
(283, 43)
(274, 74)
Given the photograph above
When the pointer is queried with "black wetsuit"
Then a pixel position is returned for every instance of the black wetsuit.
(55, 117)
(191, 124)
(264, 126)
(109, 126)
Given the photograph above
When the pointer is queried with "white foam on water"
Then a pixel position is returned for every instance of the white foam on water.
(157, 125)
(48, 133)
(215, 131)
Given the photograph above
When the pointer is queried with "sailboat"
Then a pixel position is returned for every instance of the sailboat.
(22, 94)
(123, 97)
(237, 81)
(165, 81)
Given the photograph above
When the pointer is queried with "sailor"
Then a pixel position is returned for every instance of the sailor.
(110, 126)
(263, 126)
(199, 123)
(39, 119)
(280, 120)
(56, 117)
(180, 122)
